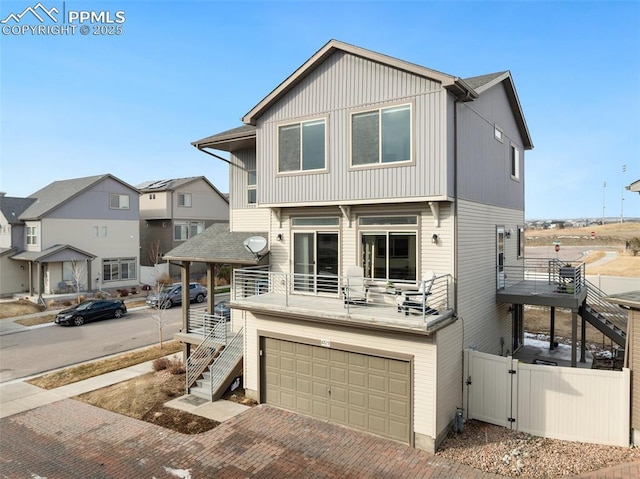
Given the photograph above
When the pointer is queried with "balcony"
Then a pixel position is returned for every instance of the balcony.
(543, 281)
(350, 301)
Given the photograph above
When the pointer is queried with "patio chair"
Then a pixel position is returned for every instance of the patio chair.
(417, 300)
(354, 290)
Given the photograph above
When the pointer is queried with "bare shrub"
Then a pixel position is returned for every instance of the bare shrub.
(160, 364)
(66, 302)
(123, 293)
(51, 303)
(203, 281)
(80, 299)
(176, 366)
(165, 279)
(133, 291)
(172, 365)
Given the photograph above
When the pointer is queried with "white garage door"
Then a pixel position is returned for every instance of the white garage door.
(357, 390)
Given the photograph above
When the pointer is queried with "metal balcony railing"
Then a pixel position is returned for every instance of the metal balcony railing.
(349, 294)
(544, 275)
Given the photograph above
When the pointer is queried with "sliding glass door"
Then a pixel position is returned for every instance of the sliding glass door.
(315, 262)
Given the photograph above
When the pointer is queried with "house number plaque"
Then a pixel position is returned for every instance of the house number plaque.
(325, 343)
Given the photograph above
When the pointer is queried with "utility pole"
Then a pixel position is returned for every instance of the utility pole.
(604, 187)
(624, 169)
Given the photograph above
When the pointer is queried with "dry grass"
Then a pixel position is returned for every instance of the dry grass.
(36, 320)
(102, 366)
(144, 397)
(624, 265)
(609, 234)
(11, 309)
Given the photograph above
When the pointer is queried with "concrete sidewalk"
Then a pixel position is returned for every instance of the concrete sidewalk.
(19, 396)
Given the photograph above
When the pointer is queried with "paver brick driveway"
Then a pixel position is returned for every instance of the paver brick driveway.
(71, 439)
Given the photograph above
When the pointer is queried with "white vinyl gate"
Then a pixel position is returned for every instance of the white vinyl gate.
(572, 404)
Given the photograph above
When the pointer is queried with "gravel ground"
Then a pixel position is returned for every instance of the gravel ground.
(510, 453)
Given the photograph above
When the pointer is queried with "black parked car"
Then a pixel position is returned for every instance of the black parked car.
(92, 310)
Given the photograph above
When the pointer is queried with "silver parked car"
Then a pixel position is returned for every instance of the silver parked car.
(172, 294)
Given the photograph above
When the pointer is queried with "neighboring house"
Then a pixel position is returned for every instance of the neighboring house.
(13, 276)
(82, 229)
(174, 210)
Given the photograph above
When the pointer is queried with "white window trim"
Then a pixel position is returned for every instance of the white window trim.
(380, 164)
(325, 120)
(120, 196)
(498, 133)
(252, 187)
(185, 196)
(514, 175)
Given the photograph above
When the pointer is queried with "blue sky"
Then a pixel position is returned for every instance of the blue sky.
(131, 104)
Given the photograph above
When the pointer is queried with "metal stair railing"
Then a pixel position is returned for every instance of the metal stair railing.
(611, 316)
(224, 363)
(202, 356)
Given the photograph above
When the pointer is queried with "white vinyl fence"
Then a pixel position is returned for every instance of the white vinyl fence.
(573, 404)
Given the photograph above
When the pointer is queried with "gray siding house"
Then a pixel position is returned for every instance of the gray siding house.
(175, 210)
(409, 177)
(82, 229)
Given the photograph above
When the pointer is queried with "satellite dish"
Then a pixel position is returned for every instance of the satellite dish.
(255, 245)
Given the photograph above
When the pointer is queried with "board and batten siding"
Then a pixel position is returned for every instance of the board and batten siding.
(343, 84)
(241, 162)
(421, 348)
(485, 321)
(484, 163)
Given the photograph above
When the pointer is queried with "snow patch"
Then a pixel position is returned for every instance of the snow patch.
(181, 473)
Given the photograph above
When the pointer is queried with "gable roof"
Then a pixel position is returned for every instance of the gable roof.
(59, 192)
(174, 184)
(53, 254)
(12, 207)
(635, 186)
(454, 84)
(483, 83)
(216, 244)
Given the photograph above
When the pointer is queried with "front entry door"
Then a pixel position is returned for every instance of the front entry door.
(315, 262)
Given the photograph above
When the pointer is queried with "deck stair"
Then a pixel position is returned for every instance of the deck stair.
(224, 365)
(609, 319)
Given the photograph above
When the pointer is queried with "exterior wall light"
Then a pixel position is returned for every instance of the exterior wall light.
(434, 238)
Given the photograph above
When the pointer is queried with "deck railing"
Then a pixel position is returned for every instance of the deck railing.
(567, 278)
(254, 282)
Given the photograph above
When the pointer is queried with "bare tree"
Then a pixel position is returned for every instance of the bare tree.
(77, 274)
(160, 306)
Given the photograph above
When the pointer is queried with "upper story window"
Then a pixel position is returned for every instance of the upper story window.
(498, 134)
(118, 202)
(251, 187)
(152, 196)
(301, 146)
(32, 235)
(185, 230)
(184, 199)
(515, 162)
(381, 136)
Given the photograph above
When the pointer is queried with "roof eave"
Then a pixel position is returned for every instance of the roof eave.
(329, 48)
